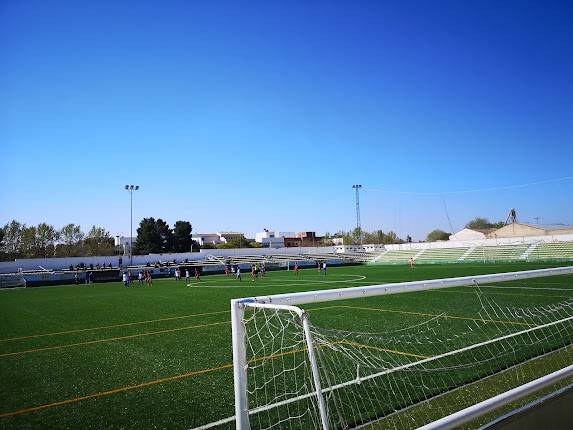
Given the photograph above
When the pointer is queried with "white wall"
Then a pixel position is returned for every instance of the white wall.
(64, 262)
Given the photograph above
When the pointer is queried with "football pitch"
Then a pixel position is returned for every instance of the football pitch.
(106, 356)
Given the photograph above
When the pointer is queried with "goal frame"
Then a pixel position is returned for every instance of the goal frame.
(289, 302)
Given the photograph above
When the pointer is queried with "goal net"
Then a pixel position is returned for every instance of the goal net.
(344, 372)
(12, 280)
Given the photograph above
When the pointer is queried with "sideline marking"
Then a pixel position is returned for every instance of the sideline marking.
(547, 296)
(446, 316)
(111, 339)
(528, 288)
(393, 351)
(33, 336)
(173, 378)
(289, 283)
(110, 326)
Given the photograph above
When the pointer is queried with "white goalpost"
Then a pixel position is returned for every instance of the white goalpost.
(289, 373)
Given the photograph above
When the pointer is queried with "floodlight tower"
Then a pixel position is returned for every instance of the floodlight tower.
(358, 227)
(131, 189)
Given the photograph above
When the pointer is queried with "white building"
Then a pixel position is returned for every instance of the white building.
(216, 238)
(468, 234)
(272, 239)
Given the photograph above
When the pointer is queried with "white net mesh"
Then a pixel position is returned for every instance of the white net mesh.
(400, 378)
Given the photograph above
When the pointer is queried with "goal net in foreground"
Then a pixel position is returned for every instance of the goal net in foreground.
(293, 374)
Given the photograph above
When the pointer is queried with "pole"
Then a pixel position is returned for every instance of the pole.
(239, 366)
(131, 228)
(358, 226)
(131, 189)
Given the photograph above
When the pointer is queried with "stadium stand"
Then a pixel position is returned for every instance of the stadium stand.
(551, 251)
(496, 253)
(441, 254)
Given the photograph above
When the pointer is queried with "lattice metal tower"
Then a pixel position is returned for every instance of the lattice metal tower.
(358, 227)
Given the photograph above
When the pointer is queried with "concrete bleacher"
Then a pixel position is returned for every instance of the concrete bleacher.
(478, 253)
(441, 254)
(552, 251)
(396, 256)
(497, 253)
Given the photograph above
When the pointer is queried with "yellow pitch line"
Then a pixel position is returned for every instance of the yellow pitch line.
(33, 336)
(111, 339)
(393, 351)
(116, 391)
(163, 380)
(437, 315)
(501, 294)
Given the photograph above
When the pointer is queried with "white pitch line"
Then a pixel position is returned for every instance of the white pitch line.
(247, 283)
(527, 288)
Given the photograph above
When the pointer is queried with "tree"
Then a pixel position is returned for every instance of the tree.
(437, 234)
(12, 238)
(148, 238)
(478, 223)
(233, 243)
(182, 236)
(71, 235)
(29, 243)
(47, 236)
(165, 236)
(98, 241)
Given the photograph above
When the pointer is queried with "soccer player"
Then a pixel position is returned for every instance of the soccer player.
(149, 279)
(187, 277)
(253, 272)
(296, 269)
(124, 279)
(412, 262)
(318, 266)
(140, 277)
(177, 274)
(238, 274)
(324, 268)
(197, 274)
(76, 278)
(263, 269)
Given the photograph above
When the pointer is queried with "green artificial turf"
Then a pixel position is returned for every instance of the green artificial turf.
(105, 356)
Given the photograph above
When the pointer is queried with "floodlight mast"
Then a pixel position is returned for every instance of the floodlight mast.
(358, 227)
(131, 189)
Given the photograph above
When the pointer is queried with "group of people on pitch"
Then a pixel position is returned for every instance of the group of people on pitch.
(142, 278)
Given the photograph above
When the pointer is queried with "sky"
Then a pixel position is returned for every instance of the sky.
(250, 115)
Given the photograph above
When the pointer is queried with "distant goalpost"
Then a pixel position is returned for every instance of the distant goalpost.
(289, 373)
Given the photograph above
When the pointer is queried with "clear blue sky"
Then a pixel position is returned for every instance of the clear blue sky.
(246, 115)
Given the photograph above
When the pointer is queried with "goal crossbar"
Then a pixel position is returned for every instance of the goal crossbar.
(400, 287)
(288, 302)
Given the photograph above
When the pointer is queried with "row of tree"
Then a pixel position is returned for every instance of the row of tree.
(18, 240)
(154, 236)
(360, 236)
